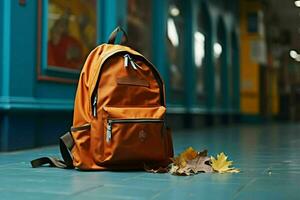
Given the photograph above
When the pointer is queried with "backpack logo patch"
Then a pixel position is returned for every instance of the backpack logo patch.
(142, 135)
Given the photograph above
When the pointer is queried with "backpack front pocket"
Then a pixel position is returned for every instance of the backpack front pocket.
(134, 135)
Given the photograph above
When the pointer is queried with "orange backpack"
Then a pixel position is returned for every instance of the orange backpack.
(119, 114)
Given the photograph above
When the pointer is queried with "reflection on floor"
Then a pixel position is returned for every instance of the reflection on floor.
(269, 157)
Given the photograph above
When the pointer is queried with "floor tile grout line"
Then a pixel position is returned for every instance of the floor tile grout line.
(86, 190)
(186, 181)
(157, 194)
(240, 189)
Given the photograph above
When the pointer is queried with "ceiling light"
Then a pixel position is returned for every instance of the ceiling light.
(297, 3)
(293, 54)
(199, 48)
(217, 50)
(174, 11)
(172, 33)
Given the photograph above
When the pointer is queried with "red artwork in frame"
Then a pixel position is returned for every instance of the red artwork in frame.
(66, 32)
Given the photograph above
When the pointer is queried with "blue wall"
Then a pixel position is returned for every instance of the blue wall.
(33, 112)
(23, 69)
(1, 46)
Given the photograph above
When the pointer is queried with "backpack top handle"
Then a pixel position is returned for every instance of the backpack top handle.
(113, 36)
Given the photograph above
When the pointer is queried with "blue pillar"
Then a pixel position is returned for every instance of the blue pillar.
(1, 46)
(209, 82)
(5, 56)
(5, 16)
(109, 18)
(236, 73)
(159, 51)
(189, 68)
(224, 71)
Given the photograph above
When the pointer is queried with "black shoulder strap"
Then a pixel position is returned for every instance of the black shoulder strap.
(66, 143)
(113, 36)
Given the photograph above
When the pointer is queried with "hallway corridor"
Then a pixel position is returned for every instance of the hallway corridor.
(268, 156)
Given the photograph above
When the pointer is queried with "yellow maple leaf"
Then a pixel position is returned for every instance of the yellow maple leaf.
(221, 164)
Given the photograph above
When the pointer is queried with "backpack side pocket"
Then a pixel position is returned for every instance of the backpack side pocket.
(81, 149)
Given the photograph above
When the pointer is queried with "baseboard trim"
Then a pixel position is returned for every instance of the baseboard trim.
(34, 104)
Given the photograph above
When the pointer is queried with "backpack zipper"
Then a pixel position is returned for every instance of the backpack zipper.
(126, 61)
(112, 121)
(94, 106)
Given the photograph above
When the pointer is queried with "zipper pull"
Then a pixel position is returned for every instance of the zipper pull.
(126, 58)
(95, 105)
(138, 65)
(108, 131)
(133, 64)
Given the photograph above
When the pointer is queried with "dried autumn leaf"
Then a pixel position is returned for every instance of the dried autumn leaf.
(188, 154)
(173, 169)
(181, 171)
(159, 170)
(191, 162)
(197, 165)
(233, 170)
(203, 153)
(155, 169)
(221, 164)
(200, 164)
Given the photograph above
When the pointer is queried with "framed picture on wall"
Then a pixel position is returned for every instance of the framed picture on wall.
(67, 32)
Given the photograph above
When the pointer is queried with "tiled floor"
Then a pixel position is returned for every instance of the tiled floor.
(269, 157)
